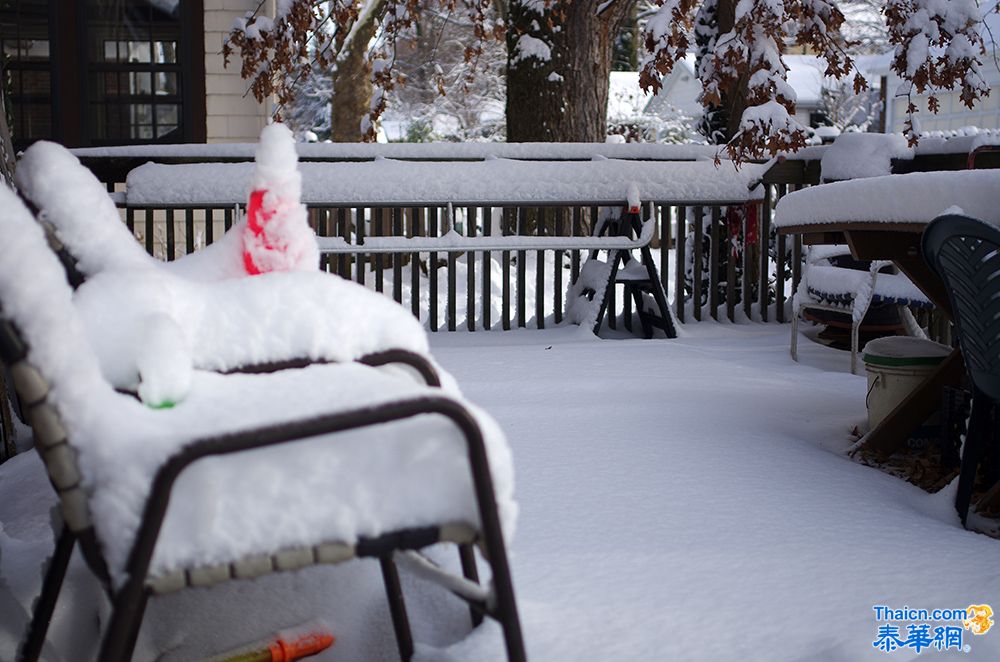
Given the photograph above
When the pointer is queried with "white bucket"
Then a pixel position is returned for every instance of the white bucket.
(895, 367)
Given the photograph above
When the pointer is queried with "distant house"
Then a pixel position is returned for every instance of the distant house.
(953, 114)
(102, 72)
(681, 89)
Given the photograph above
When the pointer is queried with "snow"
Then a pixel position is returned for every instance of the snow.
(473, 151)
(857, 155)
(277, 236)
(192, 310)
(911, 198)
(387, 181)
(905, 347)
(223, 508)
(837, 283)
(661, 483)
(531, 48)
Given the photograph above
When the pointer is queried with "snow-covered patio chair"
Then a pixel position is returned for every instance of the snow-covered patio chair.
(159, 500)
(825, 286)
(109, 268)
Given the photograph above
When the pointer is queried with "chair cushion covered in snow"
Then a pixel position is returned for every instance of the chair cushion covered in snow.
(334, 488)
(838, 285)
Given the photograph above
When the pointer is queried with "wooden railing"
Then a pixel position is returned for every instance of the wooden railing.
(526, 287)
(441, 281)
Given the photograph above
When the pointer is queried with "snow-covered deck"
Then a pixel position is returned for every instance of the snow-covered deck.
(685, 499)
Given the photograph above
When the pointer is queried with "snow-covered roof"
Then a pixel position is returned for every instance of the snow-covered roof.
(913, 198)
(625, 97)
(496, 181)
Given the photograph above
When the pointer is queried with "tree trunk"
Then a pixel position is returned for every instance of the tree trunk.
(734, 98)
(352, 86)
(563, 98)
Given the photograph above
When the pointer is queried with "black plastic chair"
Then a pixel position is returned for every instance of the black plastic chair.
(965, 252)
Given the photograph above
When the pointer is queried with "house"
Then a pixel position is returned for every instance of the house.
(102, 72)
(681, 89)
(953, 114)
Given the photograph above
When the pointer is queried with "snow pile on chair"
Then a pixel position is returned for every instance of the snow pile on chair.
(325, 489)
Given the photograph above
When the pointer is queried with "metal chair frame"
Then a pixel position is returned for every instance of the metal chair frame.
(129, 600)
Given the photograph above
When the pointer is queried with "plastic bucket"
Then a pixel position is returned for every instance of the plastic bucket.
(896, 365)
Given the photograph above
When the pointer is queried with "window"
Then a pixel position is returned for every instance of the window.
(27, 68)
(134, 74)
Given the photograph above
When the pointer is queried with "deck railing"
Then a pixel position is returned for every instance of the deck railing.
(508, 286)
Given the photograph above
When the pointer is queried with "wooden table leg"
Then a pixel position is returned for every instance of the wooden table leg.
(895, 429)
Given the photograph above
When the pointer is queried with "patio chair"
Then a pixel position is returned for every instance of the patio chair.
(117, 465)
(965, 252)
(826, 286)
(95, 245)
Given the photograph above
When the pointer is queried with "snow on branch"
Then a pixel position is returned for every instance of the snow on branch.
(938, 47)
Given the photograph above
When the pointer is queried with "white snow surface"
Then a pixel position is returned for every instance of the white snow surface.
(388, 181)
(258, 502)
(905, 347)
(686, 500)
(474, 151)
(857, 155)
(202, 310)
(911, 198)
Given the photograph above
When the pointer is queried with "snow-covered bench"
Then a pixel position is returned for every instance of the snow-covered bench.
(159, 500)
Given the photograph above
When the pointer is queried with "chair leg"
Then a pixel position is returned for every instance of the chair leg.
(854, 346)
(397, 607)
(467, 554)
(128, 607)
(506, 606)
(971, 454)
(44, 608)
(794, 344)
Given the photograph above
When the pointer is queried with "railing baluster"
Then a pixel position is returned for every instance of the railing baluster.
(764, 234)
(130, 220)
(521, 270)
(541, 217)
(150, 248)
(731, 257)
(697, 269)
(779, 279)
(505, 290)
(376, 231)
(360, 262)
(397, 258)
(714, 263)
(557, 269)
(452, 276)
(679, 258)
(470, 271)
(171, 248)
(575, 230)
(432, 270)
(227, 219)
(665, 224)
(188, 231)
(747, 263)
(487, 213)
(209, 226)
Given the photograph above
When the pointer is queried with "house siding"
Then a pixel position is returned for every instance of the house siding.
(231, 115)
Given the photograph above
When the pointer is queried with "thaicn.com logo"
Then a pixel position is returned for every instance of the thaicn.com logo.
(917, 630)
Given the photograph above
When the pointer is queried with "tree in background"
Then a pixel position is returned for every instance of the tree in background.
(560, 52)
(739, 46)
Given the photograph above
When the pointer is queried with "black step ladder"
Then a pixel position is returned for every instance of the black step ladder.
(640, 277)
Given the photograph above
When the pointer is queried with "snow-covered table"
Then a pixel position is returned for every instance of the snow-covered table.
(883, 218)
